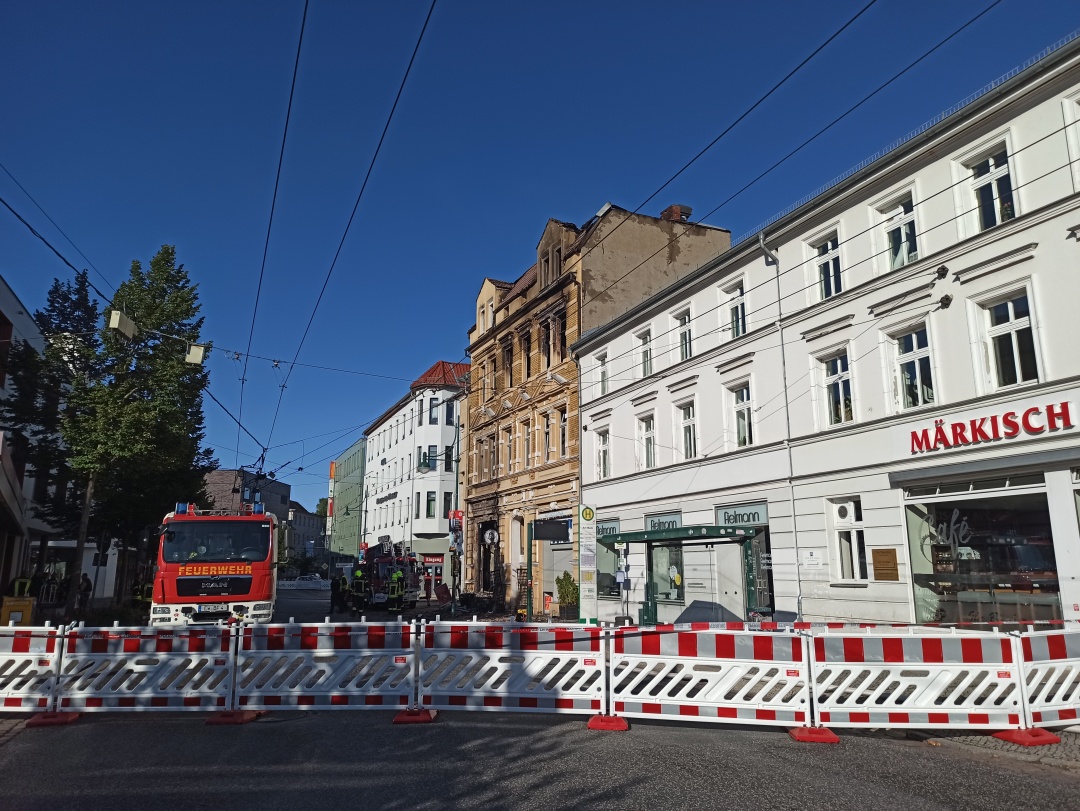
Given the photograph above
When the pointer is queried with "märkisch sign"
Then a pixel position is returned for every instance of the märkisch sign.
(1007, 424)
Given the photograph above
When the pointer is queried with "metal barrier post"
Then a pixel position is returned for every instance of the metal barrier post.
(813, 732)
(234, 715)
(416, 714)
(1029, 734)
(606, 720)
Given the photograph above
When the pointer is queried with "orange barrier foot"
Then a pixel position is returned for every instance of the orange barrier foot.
(813, 735)
(53, 719)
(234, 717)
(1028, 737)
(416, 716)
(608, 723)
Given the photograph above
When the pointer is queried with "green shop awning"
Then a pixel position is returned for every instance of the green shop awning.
(703, 532)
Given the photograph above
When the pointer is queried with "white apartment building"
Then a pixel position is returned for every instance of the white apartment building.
(411, 473)
(868, 409)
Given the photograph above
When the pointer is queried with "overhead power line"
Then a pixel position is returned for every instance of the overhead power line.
(348, 225)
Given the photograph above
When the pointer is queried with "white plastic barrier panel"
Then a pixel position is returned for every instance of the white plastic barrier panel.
(1051, 677)
(29, 658)
(893, 679)
(179, 668)
(359, 666)
(704, 673)
(520, 668)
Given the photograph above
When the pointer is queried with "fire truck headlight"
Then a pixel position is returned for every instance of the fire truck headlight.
(262, 606)
(161, 609)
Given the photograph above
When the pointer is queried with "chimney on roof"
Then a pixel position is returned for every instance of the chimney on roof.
(676, 213)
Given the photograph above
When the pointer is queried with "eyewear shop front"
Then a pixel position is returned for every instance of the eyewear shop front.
(995, 540)
(718, 572)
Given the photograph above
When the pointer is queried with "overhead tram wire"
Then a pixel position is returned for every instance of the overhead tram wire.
(57, 227)
(352, 216)
(270, 223)
(799, 148)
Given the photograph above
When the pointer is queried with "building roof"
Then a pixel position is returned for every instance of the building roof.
(498, 283)
(524, 282)
(442, 374)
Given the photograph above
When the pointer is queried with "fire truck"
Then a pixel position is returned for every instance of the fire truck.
(379, 564)
(214, 566)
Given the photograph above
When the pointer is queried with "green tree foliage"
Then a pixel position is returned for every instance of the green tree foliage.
(320, 508)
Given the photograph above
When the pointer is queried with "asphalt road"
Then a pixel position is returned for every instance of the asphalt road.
(356, 759)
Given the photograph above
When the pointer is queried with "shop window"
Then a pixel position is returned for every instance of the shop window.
(914, 376)
(666, 573)
(1012, 342)
(607, 567)
(988, 558)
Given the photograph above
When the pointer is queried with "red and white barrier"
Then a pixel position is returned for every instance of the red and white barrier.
(518, 668)
(955, 680)
(1051, 663)
(698, 672)
(348, 666)
(29, 661)
(115, 669)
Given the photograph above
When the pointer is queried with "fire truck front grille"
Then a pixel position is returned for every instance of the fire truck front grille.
(212, 586)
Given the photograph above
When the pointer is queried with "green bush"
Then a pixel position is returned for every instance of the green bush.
(568, 589)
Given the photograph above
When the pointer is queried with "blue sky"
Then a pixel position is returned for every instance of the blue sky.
(135, 124)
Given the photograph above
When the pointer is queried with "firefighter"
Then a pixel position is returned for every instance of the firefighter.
(335, 594)
(343, 592)
(359, 592)
(397, 583)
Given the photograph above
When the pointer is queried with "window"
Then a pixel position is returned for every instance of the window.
(526, 429)
(432, 459)
(827, 262)
(1012, 342)
(545, 343)
(526, 353)
(449, 412)
(992, 185)
(447, 504)
(602, 373)
(433, 411)
(901, 244)
(603, 455)
(417, 502)
(564, 448)
(431, 504)
(547, 438)
(686, 338)
(688, 430)
(666, 572)
(485, 460)
(448, 460)
(744, 422)
(508, 364)
(838, 389)
(508, 449)
(645, 353)
(647, 431)
(559, 350)
(736, 310)
(850, 541)
(913, 369)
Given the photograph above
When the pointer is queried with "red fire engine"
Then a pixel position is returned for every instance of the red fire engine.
(379, 563)
(215, 565)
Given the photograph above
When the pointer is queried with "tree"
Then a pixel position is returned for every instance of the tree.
(320, 508)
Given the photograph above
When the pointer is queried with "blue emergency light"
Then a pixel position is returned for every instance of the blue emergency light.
(181, 509)
(259, 508)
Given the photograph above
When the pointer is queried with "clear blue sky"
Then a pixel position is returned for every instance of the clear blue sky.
(136, 124)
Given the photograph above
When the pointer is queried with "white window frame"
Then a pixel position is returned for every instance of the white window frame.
(1011, 327)
(897, 358)
(525, 426)
(733, 309)
(855, 530)
(744, 406)
(892, 217)
(646, 424)
(602, 373)
(681, 423)
(965, 184)
(603, 454)
(829, 379)
(643, 353)
(831, 258)
(682, 329)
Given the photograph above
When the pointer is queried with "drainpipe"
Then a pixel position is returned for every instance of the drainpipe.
(772, 257)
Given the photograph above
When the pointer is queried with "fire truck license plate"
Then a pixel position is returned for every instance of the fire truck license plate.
(214, 607)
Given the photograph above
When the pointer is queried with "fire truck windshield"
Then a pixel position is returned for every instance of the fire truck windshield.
(215, 541)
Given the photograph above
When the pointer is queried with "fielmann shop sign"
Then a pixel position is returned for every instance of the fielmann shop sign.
(993, 427)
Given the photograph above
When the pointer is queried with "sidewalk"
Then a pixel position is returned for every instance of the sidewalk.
(1064, 755)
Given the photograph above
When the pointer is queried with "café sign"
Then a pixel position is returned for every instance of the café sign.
(1032, 421)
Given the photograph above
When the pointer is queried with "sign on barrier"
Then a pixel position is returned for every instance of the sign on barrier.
(29, 658)
(895, 679)
(1051, 661)
(520, 668)
(109, 669)
(698, 673)
(355, 666)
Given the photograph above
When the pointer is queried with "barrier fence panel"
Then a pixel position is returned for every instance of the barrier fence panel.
(1051, 661)
(29, 659)
(357, 666)
(947, 679)
(520, 668)
(180, 668)
(706, 673)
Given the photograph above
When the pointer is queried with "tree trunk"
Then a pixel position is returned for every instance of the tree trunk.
(43, 555)
(80, 547)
